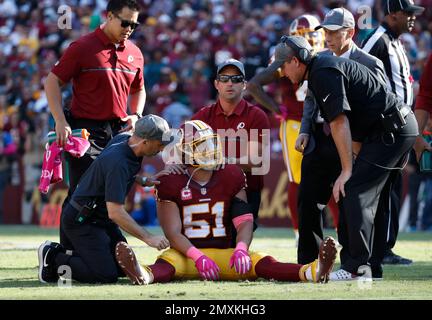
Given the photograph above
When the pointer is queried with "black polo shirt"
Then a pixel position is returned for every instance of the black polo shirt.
(345, 86)
(110, 176)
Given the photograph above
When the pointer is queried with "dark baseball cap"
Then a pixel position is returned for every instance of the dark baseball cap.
(391, 6)
(337, 19)
(232, 62)
(153, 127)
(285, 49)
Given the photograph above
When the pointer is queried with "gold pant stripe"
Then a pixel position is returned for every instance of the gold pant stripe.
(186, 270)
(288, 133)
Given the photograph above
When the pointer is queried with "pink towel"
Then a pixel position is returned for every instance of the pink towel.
(52, 164)
(10, 149)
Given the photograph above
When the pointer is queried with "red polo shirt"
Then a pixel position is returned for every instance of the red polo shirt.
(424, 97)
(102, 75)
(245, 116)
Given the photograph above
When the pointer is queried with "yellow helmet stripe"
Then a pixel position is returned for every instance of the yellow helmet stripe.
(200, 124)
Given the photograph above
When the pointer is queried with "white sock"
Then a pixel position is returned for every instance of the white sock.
(308, 273)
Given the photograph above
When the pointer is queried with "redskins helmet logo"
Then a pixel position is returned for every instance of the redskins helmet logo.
(304, 26)
(294, 26)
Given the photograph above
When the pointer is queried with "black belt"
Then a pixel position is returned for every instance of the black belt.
(393, 120)
(75, 205)
(90, 123)
(404, 111)
(87, 211)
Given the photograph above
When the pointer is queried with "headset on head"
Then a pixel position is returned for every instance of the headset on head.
(303, 54)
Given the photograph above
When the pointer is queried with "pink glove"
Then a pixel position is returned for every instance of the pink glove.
(240, 259)
(207, 268)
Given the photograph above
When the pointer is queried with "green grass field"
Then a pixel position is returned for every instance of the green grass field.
(18, 273)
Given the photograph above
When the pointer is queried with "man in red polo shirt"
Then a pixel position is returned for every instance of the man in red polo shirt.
(423, 108)
(106, 69)
(250, 129)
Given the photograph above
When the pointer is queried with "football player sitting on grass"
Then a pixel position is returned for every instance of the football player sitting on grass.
(197, 210)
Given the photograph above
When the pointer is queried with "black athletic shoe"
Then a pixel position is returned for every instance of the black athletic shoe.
(392, 258)
(377, 273)
(46, 254)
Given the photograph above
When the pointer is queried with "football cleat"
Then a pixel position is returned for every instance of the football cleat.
(46, 255)
(326, 259)
(321, 267)
(127, 260)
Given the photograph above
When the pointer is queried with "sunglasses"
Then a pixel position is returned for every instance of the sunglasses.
(127, 23)
(234, 79)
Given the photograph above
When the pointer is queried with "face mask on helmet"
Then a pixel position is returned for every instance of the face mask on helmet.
(304, 26)
(200, 146)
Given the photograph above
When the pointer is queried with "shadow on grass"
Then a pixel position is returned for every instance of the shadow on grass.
(23, 283)
(18, 269)
(420, 271)
(32, 282)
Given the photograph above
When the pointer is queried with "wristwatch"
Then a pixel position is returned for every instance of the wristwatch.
(139, 115)
(141, 180)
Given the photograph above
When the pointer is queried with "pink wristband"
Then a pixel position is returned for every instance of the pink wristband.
(237, 221)
(242, 246)
(194, 254)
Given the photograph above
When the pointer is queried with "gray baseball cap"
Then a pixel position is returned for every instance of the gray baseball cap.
(285, 50)
(232, 62)
(401, 5)
(153, 127)
(337, 19)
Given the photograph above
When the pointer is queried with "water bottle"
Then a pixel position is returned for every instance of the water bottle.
(79, 133)
(426, 158)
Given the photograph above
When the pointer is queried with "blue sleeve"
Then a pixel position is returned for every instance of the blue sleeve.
(116, 181)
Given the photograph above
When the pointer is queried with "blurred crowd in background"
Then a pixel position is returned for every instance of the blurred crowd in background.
(182, 42)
